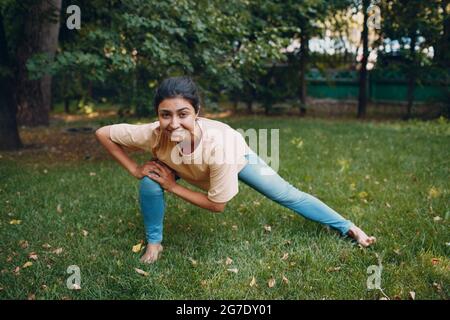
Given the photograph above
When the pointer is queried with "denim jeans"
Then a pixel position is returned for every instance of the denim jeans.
(259, 176)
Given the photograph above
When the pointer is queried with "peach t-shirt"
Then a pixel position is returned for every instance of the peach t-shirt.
(213, 165)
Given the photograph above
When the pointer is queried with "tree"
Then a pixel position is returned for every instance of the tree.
(9, 134)
(39, 35)
(362, 97)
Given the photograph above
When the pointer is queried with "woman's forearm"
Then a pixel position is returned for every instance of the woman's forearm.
(197, 198)
(116, 151)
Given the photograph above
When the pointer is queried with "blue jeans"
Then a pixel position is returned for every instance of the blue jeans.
(254, 174)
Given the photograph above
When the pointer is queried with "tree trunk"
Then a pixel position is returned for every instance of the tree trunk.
(442, 54)
(9, 133)
(41, 31)
(362, 99)
(304, 50)
(412, 74)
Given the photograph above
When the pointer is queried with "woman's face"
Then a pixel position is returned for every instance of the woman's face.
(177, 118)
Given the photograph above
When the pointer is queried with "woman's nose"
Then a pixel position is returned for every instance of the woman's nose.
(174, 123)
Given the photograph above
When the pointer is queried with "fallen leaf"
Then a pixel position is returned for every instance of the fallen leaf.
(58, 208)
(437, 218)
(433, 193)
(16, 270)
(14, 221)
(194, 262)
(44, 287)
(285, 280)
(137, 248)
(285, 256)
(85, 233)
(234, 227)
(363, 195)
(31, 296)
(58, 251)
(23, 244)
(271, 282)
(267, 228)
(253, 282)
(412, 295)
(46, 246)
(141, 272)
(27, 264)
(397, 251)
(33, 256)
(76, 286)
(234, 270)
(228, 261)
(388, 205)
(435, 261)
(92, 174)
(333, 269)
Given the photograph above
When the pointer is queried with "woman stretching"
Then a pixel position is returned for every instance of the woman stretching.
(208, 154)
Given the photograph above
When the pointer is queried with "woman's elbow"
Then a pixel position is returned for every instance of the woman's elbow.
(218, 207)
(102, 132)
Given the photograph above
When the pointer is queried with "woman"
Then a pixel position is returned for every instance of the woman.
(208, 154)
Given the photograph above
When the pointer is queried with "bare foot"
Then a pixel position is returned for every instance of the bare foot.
(152, 253)
(361, 237)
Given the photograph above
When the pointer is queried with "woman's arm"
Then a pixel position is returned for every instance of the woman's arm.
(118, 153)
(166, 179)
(197, 198)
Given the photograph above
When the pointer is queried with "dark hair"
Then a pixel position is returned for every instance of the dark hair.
(177, 87)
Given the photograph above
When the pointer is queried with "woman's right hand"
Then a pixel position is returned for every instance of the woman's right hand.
(143, 170)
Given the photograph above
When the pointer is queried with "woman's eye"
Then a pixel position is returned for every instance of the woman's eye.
(165, 116)
(183, 115)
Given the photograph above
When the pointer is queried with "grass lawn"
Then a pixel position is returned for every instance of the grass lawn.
(390, 178)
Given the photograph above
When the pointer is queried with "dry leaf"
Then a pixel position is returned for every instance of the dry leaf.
(194, 262)
(228, 261)
(76, 286)
(33, 256)
(234, 270)
(137, 248)
(271, 283)
(92, 174)
(285, 280)
(46, 246)
(85, 233)
(285, 256)
(435, 261)
(412, 295)
(253, 282)
(141, 272)
(14, 221)
(267, 228)
(363, 195)
(31, 296)
(23, 244)
(58, 251)
(16, 270)
(234, 227)
(433, 193)
(333, 269)
(27, 264)
(437, 218)
(58, 208)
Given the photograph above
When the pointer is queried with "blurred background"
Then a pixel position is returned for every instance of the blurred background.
(351, 58)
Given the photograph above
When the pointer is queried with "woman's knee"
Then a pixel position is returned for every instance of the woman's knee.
(149, 186)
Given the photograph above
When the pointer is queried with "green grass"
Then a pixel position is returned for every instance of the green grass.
(392, 179)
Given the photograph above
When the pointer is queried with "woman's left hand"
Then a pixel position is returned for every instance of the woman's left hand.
(162, 174)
